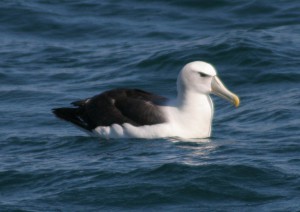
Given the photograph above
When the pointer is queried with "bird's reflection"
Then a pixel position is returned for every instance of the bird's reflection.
(194, 151)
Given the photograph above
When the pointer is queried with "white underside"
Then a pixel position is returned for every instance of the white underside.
(189, 120)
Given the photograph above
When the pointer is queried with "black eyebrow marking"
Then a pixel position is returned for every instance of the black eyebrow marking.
(203, 75)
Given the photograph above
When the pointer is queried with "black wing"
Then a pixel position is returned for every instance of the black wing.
(116, 106)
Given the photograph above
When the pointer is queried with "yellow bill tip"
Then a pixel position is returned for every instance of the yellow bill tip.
(236, 101)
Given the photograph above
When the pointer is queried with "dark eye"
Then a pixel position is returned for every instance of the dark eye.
(203, 75)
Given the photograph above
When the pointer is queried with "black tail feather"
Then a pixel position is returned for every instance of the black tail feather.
(71, 115)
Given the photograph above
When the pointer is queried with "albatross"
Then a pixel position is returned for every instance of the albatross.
(134, 113)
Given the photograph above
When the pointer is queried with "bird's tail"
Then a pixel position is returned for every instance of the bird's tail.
(72, 115)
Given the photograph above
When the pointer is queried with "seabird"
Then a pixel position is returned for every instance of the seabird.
(134, 113)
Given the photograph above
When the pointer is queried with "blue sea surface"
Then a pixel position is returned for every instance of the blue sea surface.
(55, 52)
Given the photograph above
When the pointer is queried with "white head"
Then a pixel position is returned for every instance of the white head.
(201, 77)
(196, 76)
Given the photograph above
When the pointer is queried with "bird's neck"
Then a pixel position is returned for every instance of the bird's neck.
(193, 101)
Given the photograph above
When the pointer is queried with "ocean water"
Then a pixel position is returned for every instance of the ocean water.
(55, 52)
